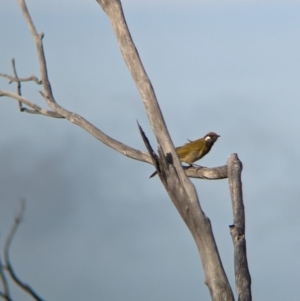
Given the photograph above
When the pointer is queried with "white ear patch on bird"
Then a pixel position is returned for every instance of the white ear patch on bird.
(207, 138)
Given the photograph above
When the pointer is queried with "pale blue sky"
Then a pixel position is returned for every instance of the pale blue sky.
(95, 226)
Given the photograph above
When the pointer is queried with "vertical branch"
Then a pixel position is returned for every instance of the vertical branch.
(38, 38)
(13, 63)
(237, 230)
(16, 79)
(199, 225)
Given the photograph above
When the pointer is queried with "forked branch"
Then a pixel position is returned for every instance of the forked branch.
(17, 79)
(18, 96)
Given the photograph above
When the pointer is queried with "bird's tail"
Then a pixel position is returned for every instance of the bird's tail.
(153, 175)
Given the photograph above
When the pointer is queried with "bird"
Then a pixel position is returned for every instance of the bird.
(195, 150)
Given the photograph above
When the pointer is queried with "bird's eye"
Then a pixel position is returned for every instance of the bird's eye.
(207, 138)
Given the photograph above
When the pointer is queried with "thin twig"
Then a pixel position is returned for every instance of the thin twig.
(38, 38)
(6, 294)
(8, 264)
(21, 79)
(18, 83)
(151, 152)
(5, 297)
(22, 109)
(36, 109)
(19, 92)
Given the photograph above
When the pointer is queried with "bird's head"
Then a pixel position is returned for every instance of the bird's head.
(211, 137)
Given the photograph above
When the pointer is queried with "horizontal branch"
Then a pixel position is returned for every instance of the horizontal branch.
(60, 112)
(215, 173)
(21, 79)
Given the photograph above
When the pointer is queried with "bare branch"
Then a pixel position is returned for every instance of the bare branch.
(21, 108)
(237, 230)
(21, 79)
(15, 78)
(77, 119)
(196, 221)
(36, 109)
(6, 294)
(40, 50)
(18, 81)
(205, 173)
(216, 173)
(18, 84)
(114, 11)
(5, 297)
(8, 264)
(60, 112)
(149, 148)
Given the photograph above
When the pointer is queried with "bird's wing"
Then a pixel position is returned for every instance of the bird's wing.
(193, 145)
(187, 149)
(182, 152)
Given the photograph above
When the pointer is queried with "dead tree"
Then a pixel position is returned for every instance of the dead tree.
(172, 175)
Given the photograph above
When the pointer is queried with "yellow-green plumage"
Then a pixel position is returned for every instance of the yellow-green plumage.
(195, 150)
(192, 151)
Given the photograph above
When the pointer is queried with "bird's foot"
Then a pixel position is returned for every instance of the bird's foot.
(196, 166)
(199, 167)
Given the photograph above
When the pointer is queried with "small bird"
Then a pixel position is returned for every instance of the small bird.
(195, 150)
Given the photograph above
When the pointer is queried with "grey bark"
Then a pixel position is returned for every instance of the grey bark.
(237, 230)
